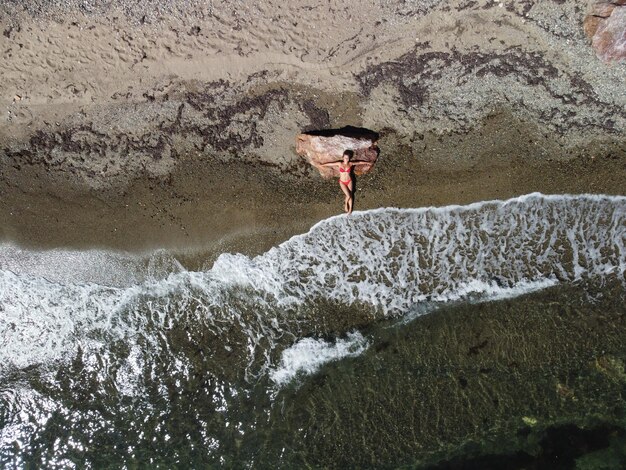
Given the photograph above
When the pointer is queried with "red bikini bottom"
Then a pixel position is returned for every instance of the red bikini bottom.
(347, 183)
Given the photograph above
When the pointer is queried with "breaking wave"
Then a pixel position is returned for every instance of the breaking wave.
(393, 260)
(308, 354)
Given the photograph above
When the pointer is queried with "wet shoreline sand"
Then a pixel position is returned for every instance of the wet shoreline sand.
(215, 206)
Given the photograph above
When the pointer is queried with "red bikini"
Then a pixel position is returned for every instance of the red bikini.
(341, 170)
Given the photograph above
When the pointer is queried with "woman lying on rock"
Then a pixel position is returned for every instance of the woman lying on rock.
(345, 177)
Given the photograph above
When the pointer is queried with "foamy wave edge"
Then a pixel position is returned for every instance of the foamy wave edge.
(392, 259)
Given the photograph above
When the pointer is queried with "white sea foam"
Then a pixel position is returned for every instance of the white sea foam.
(493, 291)
(393, 259)
(40, 319)
(309, 354)
(106, 268)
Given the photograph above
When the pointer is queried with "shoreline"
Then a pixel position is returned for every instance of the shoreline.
(152, 214)
(216, 206)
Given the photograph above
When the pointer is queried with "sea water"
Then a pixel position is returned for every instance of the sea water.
(112, 359)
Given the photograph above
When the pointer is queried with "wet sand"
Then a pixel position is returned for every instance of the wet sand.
(210, 207)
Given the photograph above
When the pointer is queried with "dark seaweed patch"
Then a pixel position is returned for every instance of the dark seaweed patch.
(413, 73)
(319, 117)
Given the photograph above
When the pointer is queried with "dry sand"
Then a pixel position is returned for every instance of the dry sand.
(137, 125)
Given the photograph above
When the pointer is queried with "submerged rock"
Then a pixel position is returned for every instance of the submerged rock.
(320, 147)
(606, 27)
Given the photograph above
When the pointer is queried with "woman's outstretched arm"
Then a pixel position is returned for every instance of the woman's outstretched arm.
(330, 164)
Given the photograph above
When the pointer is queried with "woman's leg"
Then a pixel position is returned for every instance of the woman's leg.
(350, 199)
(348, 193)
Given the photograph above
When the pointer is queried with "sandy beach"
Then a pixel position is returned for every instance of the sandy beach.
(172, 124)
(176, 293)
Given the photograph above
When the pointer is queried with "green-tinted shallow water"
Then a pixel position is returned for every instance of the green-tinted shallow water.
(470, 381)
(533, 382)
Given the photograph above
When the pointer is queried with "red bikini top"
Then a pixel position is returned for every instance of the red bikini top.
(341, 170)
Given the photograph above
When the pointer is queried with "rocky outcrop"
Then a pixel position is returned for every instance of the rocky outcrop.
(328, 146)
(606, 27)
